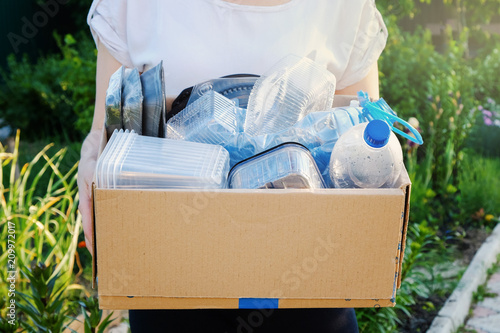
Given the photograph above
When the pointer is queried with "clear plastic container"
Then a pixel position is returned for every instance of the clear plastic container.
(210, 119)
(289, 165)
(141, 162)
(286, 93)
(102, 161)
(368, 155)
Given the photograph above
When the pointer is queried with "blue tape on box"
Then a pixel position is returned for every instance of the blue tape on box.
(258, 303)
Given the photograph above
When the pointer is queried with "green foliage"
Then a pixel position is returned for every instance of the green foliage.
(486, 68)
(477, 11)
(44, 308)
(481, 293)
(485, 135)
(53, 96)
(479, 184)
(436, 89)
(42, 230)
(80, 79)
(474, 12)
(379, 320)
(420, 281)
(94, 323)
(391, 9)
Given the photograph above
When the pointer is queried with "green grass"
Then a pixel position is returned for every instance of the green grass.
(480, 184)
(39, 227)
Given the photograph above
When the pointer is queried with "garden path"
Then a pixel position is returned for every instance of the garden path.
(486, 314)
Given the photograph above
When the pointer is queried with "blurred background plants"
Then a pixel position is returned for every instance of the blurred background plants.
(448, 82)
(54, 96)
(39, 201)
(440, 67)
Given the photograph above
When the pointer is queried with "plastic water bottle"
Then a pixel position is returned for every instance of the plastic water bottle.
(368, 155)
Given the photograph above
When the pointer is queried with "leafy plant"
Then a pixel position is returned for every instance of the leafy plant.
(481, 293)
(479, 183)
(44, 308)
(485, 135)
(46, 229)
(94, 323)
(52, 96)
(435, 89)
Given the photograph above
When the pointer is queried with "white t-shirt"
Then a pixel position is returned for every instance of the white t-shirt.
(200, 40)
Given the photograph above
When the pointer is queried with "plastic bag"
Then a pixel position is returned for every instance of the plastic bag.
(132, 101)
(113, 107)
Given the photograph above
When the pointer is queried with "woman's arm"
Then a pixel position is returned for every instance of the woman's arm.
(106, 66)
(369, 84)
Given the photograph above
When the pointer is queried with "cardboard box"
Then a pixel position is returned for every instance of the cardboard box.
(182, 249)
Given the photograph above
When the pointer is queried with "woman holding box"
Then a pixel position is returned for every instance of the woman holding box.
(199, 40)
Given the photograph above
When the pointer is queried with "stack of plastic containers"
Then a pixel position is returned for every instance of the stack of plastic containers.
(289, 165)
(288, 92)
(212, 118)
(134, 161)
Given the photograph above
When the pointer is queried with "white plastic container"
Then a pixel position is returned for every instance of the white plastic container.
(289, 165)
(366, 156)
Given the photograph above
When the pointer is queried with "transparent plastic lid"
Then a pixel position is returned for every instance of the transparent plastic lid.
(289, 165)
(210, 119)
(133, 161)
(290, 90)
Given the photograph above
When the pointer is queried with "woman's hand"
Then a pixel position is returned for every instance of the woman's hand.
(86, 169)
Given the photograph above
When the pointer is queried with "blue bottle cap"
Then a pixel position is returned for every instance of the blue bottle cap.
(377, 133)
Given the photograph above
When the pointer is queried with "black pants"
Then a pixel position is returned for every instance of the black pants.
(244, 321)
